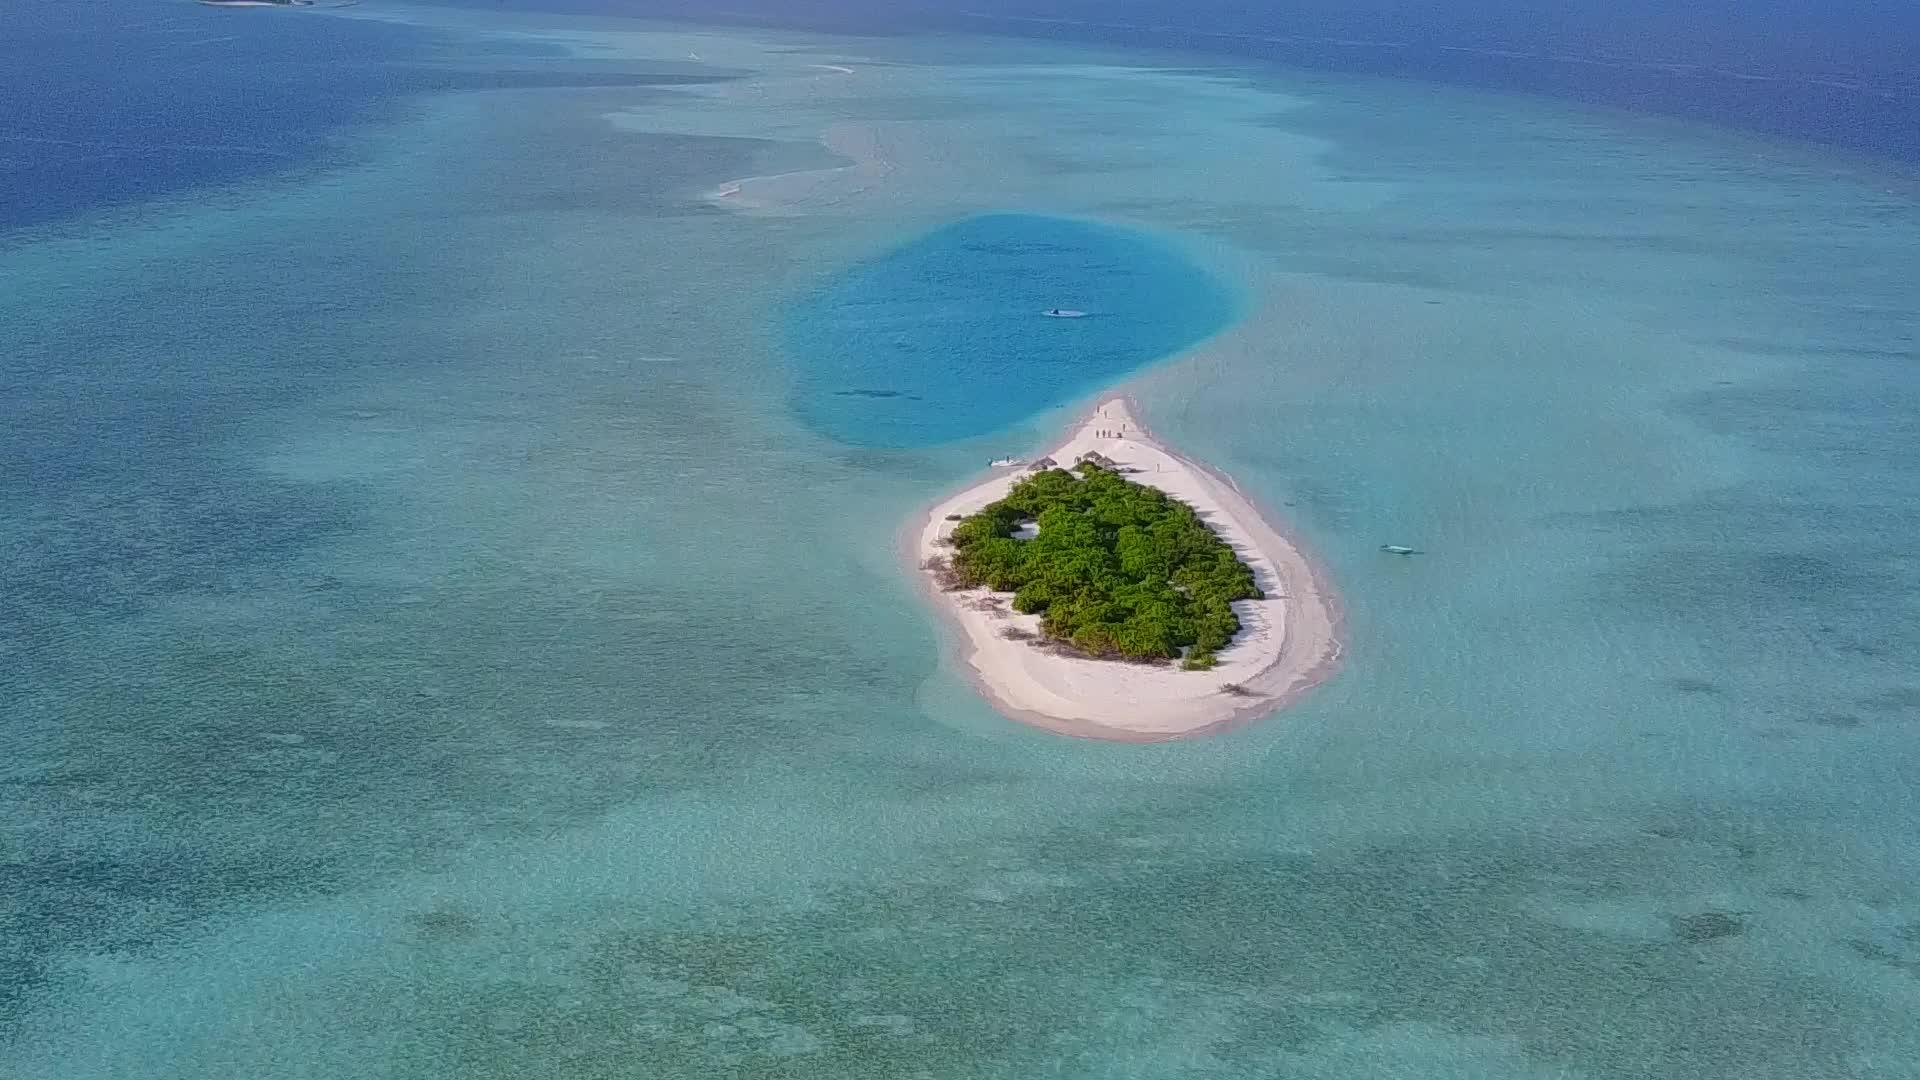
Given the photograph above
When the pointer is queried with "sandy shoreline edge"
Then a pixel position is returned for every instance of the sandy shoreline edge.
(1289, 643)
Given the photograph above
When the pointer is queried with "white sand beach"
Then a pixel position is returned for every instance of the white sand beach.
(1288, 643)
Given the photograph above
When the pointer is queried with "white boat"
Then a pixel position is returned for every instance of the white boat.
(1063, 313)
(1004, 463)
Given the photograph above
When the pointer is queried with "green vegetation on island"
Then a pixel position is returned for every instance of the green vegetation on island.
(1117, 570)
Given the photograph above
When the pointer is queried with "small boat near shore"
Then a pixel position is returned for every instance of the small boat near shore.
(1004, 463)
(1398, 549)
(1064, 313)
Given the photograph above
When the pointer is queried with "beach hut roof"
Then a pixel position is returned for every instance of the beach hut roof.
(1044, 463)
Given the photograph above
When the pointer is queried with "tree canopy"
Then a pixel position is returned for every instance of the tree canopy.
(1118, 569)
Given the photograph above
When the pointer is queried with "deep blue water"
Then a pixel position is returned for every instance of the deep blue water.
(1845, 74)
(110, 103)
(106, 104)
(893, 352)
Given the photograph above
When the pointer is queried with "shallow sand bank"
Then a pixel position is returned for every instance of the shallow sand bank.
(1288, 642)
(870, 165)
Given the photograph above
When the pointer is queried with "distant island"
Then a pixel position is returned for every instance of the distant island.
(257, 3)
(1058, 576)
(1116, 570)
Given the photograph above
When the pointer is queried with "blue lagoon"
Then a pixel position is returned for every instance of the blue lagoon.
(949, 337)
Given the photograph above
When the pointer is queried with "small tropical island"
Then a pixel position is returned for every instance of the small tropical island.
(1131, 595)
(257, 3)
(1114, 569)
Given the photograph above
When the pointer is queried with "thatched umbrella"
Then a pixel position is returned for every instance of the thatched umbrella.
(1044, 464)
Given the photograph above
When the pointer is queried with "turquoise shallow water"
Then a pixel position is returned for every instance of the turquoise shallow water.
(435, 644)
(945, 337)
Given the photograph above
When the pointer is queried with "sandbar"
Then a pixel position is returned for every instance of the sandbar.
(1289, 642)
(870, 165)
